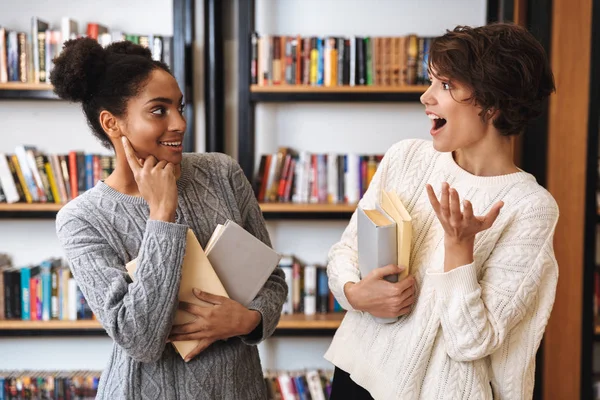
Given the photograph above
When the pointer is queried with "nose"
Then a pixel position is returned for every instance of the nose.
(177, 122)
(427, 97)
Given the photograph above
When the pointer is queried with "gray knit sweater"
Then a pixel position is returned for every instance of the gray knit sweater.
(102, 230)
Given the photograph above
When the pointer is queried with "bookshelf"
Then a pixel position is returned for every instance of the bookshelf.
(26, 91)
(270, 210)
(300, 93)
(288, 324)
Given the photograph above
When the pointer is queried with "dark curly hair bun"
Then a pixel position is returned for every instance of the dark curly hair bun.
(126, 47)
(78, 68)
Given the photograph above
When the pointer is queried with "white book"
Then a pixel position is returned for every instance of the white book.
(68, 30)
(332, 178)
(7, 182)
(352, 60)
(314, 385)
(72, 299)
(310, 289)
(3, 61)
(351, 176)
(242, 262)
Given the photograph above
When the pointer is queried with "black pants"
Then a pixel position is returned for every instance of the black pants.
(344, 388)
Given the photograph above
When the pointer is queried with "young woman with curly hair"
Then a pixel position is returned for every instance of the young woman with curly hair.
(143, 210)
(482, 268)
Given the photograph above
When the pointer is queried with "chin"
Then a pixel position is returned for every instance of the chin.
(442, 147)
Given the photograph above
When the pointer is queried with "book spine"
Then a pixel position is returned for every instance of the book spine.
(46, 278)
(310, 289)
(54, 295)
(3, 57)
(25, 294)
(22, 41)
(254, 58)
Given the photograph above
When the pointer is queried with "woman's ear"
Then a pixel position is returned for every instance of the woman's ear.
(110, 124)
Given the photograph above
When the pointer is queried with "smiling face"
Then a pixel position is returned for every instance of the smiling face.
(154, 122)
(455, 120)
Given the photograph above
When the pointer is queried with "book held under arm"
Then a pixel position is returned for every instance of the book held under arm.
(384, 237)
(377, 245)
(242, 261)
(392, 205)
(196, 272)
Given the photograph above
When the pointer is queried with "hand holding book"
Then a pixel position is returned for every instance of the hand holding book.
(379, 297)
(226, 318)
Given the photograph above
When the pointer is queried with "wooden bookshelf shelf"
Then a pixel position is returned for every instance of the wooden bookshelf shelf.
(293, 93)
(26, 91)
(25, 210)
(307, 211)
(15, 325)
(292, 207)
(270, 210)
(26, 207)
(295, 322)
(25, 86)
(307, 322)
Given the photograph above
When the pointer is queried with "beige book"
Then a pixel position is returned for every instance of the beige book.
(392, 205)
(196, 272)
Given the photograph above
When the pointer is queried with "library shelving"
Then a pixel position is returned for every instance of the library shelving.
(299, 93)
(270, 210)
(293, 324)
(183, 33)
(26, 91)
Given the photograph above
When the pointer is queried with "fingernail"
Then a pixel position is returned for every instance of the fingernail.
(187, 360)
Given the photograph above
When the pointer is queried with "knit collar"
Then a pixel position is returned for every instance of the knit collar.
(182, 183)
(452, 168)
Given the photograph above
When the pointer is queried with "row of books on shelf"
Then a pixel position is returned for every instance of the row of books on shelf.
(51, 385)
(41, 292)
(28, 56)
(308, 288)
(32, 176)
(337, 61)
(311, 384)
(303, 177)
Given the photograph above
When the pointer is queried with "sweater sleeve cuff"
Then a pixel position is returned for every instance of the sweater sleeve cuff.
(343, 279)
(459, 281)
(166, 228)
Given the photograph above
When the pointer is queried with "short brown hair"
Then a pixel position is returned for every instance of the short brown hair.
(503, 64)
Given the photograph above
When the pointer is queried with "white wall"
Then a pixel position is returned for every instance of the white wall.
(58, 127)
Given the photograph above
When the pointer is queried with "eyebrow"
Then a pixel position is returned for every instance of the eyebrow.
(163, 100)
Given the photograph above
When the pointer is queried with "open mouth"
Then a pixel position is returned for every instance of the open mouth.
(171, 144)
(438, 122)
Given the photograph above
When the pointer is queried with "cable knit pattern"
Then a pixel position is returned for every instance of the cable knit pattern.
(102, 230)
(473, 332)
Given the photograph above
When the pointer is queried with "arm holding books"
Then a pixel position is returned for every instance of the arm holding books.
(226, 318)
(372, 294)
(136, 316)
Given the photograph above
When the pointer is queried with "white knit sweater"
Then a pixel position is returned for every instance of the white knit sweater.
(473, 332)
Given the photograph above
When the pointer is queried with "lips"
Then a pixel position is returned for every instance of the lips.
(171, 143)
